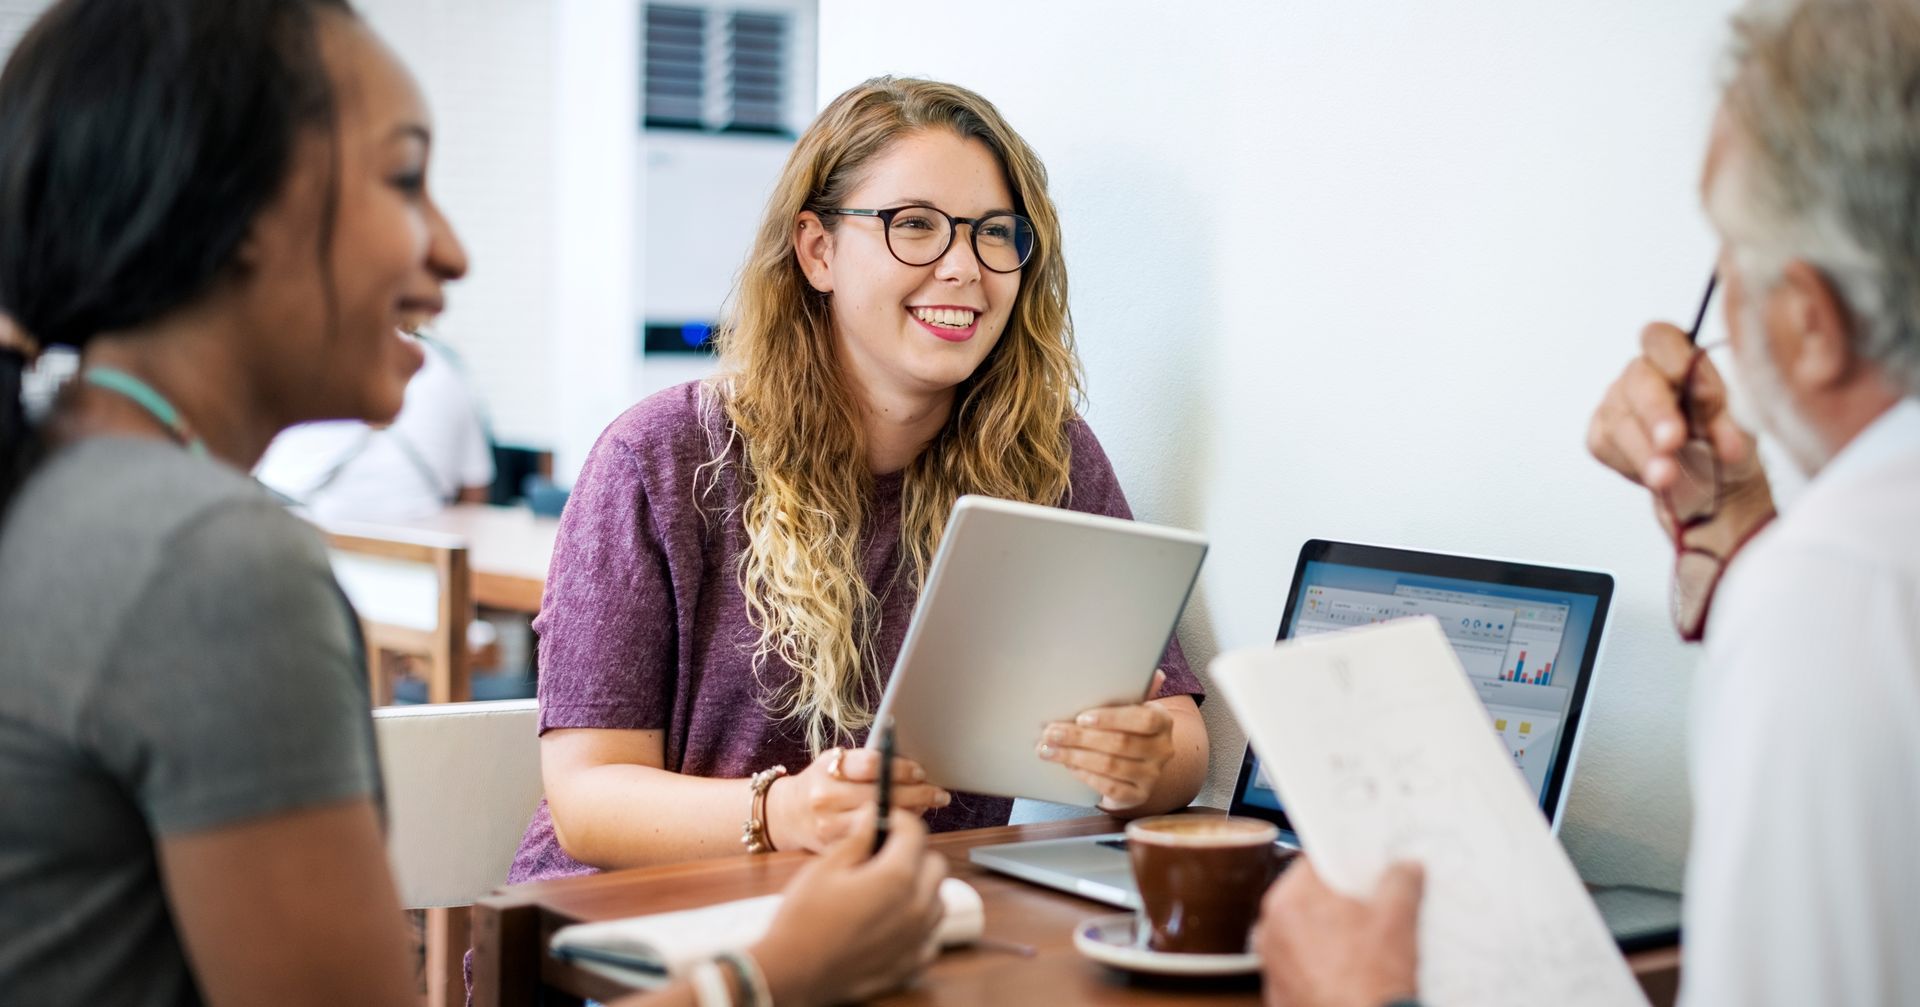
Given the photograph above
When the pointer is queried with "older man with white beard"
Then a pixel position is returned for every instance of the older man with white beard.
(1803, 880)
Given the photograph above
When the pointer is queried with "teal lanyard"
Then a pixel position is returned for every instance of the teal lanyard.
(143, 395)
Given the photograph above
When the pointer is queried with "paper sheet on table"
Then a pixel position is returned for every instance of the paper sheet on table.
(1381, 751)
(663, 946)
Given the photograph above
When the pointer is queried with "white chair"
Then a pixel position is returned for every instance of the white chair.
(462, 780)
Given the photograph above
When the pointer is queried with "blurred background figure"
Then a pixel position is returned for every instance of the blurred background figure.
(435, 453)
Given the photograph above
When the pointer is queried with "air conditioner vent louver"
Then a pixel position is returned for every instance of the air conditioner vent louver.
(717, 69)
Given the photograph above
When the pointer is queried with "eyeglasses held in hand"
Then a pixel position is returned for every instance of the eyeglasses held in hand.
(920, 235)
(1694, 500)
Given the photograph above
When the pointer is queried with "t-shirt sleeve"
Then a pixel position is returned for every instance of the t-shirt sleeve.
(1096, 490)
(235, 689)
(606, 624)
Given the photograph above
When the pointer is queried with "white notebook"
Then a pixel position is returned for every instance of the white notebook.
(1382, 752)
(650, 951)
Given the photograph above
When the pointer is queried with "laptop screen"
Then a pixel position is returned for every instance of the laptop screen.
(1527, 636)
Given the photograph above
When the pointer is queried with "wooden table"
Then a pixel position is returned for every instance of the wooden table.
(511, 930)
(508, 549)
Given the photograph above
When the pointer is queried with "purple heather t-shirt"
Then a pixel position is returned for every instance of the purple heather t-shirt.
(643, 625)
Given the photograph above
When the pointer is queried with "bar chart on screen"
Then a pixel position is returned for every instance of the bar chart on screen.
(1542, 674)
(1534, 646)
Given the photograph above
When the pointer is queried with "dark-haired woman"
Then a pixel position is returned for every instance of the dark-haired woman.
(222, 204)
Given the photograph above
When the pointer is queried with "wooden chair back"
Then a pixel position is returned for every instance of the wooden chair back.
(413, 592)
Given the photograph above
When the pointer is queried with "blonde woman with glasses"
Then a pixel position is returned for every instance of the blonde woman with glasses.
(741, 556)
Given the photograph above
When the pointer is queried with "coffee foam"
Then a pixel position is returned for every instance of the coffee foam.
(1201, 831)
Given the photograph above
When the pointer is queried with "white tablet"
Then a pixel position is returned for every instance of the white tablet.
(1031, 615)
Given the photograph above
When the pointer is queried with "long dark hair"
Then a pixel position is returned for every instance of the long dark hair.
(138, 141)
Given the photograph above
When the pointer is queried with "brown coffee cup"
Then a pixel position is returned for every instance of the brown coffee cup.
(1201, 878)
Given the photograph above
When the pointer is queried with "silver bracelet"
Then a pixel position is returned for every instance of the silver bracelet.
(752, 980)
(710, 987)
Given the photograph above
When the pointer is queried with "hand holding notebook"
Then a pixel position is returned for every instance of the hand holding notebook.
(1383, 753)
(845, 928)
(662, 946)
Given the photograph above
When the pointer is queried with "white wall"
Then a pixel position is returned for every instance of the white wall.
(1362, 271)
(597, 250)
(489, 70)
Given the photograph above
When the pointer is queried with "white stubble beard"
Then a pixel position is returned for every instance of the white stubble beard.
(1762, 401)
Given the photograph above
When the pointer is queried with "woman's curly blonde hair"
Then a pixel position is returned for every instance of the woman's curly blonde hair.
(797, 426)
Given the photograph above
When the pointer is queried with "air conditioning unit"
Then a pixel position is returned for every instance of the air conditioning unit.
(724, 90)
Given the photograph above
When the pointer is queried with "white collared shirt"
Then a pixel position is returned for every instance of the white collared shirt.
(1803, 880)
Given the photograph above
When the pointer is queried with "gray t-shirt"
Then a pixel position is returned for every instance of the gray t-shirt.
(174, 656)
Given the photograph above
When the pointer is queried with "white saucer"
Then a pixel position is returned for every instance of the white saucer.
(1111, 940)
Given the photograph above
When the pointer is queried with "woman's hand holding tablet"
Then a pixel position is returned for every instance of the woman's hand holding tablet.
(1119, 751)
(1041, 628)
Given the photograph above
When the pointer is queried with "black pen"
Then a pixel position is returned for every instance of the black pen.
(1700, 318)
(884, 801)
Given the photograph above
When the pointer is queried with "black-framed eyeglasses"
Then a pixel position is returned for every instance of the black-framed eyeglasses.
(920, 235)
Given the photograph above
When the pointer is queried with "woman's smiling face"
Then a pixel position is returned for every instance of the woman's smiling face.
(913, 330)
(331, 338)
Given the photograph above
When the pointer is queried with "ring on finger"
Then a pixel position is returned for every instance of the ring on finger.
(833, 763)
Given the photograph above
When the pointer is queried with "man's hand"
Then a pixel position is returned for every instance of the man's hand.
(1638, 431)
(1319, 948)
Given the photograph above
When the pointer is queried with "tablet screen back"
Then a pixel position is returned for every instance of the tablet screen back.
(1031, 615)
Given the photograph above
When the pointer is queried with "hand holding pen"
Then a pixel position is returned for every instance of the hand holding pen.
(814, 808)
(883, 799)
(1665, 397)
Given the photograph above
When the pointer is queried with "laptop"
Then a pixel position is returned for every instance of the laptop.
(1528, 636)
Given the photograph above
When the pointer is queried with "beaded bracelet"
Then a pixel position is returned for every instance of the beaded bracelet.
(754, 834)
(752, 981)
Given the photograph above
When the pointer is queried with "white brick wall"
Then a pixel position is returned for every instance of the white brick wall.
(487, 69)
